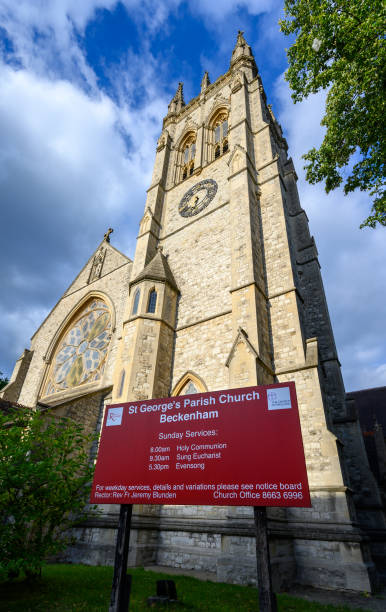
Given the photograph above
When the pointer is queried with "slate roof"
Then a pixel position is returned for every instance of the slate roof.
(157, 269)
(371, 406)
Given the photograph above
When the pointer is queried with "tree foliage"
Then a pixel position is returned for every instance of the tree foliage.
(340, 47)
(3, 380)
(45, 474)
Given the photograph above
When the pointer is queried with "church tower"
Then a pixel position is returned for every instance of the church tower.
(224, 291)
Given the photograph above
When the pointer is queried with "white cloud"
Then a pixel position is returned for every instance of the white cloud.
(71, 166)
(54, 131)
(368, 354)
(74, 162)
(17, 327)
(368, 377)
(47, 36)
(44, 34)
(221, 11)
(352, 260)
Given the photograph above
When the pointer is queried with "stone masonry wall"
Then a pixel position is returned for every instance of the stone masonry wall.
(204, 349)
(241, 266)
(199, 256)
(115, 286)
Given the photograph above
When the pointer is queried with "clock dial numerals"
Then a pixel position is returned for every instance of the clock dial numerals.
(197, 198)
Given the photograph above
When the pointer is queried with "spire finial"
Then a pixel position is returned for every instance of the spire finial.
(179, 92)
(177, 101)
(205, 81)
(242, 49)
(240, 37)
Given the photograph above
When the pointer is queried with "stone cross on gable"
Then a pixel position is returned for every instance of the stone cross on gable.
(106, 237)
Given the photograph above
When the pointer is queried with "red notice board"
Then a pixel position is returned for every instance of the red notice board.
(238, 447)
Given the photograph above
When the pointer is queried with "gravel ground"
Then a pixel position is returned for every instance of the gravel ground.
(372, 603)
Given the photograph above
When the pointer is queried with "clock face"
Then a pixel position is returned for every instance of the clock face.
(197, 198)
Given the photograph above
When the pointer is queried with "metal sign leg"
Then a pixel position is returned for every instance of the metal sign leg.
(267, 598)
(119, 601)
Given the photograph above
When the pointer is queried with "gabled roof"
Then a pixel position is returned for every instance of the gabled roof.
(112, 261)
(110, 264)
(157, 269)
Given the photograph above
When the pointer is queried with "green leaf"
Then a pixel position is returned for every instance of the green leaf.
(350, 63)
(45, 476)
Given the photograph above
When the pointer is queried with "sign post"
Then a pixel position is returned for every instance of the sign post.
(267, 598)
(237, 447)
(120, 591)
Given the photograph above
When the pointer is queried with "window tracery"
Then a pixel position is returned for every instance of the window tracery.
(218, 139)
(188, 384)
(189, 388)
(187, 154)
(80, 356)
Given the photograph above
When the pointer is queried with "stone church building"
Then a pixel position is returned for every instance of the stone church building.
(224, 291)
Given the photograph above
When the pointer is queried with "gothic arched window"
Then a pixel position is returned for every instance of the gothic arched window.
(80, 355)
(187, 154)
(219, 135)
(136, 302)
(189, 388)
(188, 384)
(152, 303)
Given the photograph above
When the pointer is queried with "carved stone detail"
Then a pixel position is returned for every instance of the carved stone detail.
(241, 336)
(177, 102)
(161, 143)
(237, 83)
(205, 82)
(145, 222)
(97, 264)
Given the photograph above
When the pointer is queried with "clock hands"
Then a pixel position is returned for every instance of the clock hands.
(195, 202)
(197, 198)
(191, 206)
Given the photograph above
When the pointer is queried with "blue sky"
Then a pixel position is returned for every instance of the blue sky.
(84, 87)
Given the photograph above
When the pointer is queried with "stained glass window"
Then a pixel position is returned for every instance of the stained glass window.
(189, 384)
(152, 301)
(189, 388)
(136, 302)
(81, 353)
